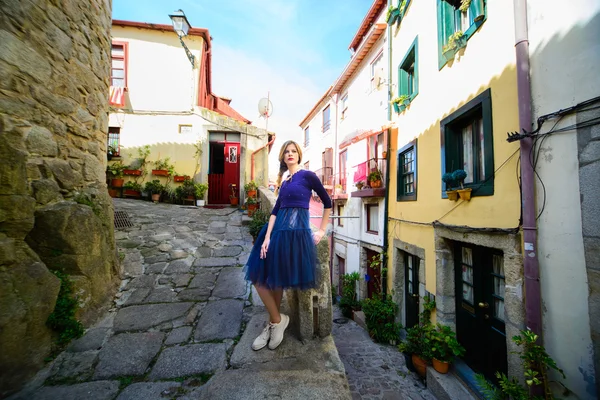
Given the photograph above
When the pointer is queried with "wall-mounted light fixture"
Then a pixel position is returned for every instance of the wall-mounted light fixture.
(182, 26)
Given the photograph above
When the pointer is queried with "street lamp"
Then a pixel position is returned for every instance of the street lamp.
(181, 26)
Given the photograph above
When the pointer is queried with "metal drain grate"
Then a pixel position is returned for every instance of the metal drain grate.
(122, 220)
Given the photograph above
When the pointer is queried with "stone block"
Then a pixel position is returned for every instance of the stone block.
(142, 317)
(16, 215)
(150, 390)
(100, 390)
(590, 198)
(46, 191)
(221, 319)
(40, 141)
(592, 252)
(193, 359)
(64, 174)
(230, 283)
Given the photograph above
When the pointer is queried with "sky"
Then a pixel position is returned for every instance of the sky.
(291, 50)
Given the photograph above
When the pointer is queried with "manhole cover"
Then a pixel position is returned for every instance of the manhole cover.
(122, 220)
(340, 321)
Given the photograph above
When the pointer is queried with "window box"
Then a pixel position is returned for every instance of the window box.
(133, 172)
(131, 193)
(369, 192)
(180, 178)
(393, 15)
(160, 172)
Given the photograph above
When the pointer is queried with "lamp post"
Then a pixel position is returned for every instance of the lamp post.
(181, 26)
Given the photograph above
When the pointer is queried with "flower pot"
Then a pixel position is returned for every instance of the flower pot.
(251, 193)
(117, 182)
(200, 203)
(408, 362)
(393, 17)
(160, 172)
(384, 154)
(233, 201)
(155, 197)
(375, 184)
(452, 195)
(441, 366)
(476, 9)
(420, 365)
(134, 172)
(131, 193)
(113, 193)
(465, 194)
(397, 108)
(449, 54)
(180, 178)
(252, 209)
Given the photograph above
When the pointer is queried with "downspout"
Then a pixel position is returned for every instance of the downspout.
(256, 151)
(336, 156)
(533, 313)
(387, 163)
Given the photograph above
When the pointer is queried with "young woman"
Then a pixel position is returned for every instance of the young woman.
(284, 253)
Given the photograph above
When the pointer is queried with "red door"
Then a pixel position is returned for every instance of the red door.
(224, 170)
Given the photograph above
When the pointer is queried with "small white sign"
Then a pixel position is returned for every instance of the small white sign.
(528, 246)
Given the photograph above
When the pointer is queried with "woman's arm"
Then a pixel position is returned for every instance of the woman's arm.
(324, 221)
(265, 246)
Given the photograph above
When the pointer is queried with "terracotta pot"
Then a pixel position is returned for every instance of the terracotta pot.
(420, 365)
(160, 172)
(375, 184)
(135, 172)
(465, 194)
(113, 193)
(234, 201)
(452, 195)
(132, 193)
(117, 182)
(155, 197)
(440, 366)
(251, 193)
(252, 209)
(180, 178)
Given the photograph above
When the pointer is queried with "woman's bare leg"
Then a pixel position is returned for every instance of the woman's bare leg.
(269, 300)
(278, 295)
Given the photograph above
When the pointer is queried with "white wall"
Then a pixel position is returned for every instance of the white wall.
(565, 54)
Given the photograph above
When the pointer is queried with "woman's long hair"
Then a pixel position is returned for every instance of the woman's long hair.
(282, 165)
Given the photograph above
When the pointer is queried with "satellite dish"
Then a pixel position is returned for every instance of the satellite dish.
(265, 107)
(379, 80)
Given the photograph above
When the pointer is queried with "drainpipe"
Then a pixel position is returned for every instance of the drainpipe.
(533, 313)
(387, 163)
(252, 157)
(335, 156)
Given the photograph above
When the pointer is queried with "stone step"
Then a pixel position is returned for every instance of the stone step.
(447, 386)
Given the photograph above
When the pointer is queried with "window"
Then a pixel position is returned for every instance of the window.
(306, 136)
(372, 218)
(377, 64)
(451, 20)
(407, 173)
(326, 119)
(114, 140)
(185, 129)
(408, 76)
(343, 157)
(466, 137)
(344, 105)
(340, 210)
(118, 71)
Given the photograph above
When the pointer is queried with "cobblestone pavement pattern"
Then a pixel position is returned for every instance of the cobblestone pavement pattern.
(182, 307)
(374, 371)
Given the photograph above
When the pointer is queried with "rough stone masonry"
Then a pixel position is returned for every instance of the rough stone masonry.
(54, 78)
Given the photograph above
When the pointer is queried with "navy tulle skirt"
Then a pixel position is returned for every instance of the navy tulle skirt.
(292, 255)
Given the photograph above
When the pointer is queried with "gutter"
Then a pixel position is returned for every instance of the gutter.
(387, 163)
(256, 151)
(533, 309)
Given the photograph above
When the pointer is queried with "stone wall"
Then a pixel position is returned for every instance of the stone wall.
(588, 143)
(55, 212)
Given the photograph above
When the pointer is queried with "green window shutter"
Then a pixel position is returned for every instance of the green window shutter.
(476, 10)
(445, 27)
(403, 80)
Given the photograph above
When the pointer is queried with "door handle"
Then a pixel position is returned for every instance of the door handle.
(483, 305)
(486, 316)
(415, 295)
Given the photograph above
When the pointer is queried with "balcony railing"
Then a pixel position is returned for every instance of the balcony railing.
(326, 177)
(361, 173)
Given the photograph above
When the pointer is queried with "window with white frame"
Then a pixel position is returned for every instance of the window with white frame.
(344, 105)
(377, 64)
(372, 218)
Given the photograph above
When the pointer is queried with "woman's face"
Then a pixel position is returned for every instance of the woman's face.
(290, 155)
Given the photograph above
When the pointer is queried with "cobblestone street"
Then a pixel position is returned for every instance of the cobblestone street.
(374, 371)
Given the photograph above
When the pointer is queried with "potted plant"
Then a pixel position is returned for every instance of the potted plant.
(476, 7)
(359, 185)
(400, 103)
(418, 344)
(116, 170)
(448, 179)
(349, 302)
(155, 189)
(444, 347)
(456, 41)
(199, 191)
(233, 197)
(112, 151)
(132, 189)
(375, 179)
(259, 220)
(380, 313)
(250, 188)
(163, 167)
(392, 15)
(251, 205)
(459, 176)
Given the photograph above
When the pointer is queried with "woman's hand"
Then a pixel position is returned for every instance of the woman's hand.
(264, 248)
(318, 235)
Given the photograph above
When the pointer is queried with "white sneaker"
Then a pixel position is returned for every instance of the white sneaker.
(277, 331)
(262, 339)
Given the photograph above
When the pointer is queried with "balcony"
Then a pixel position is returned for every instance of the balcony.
(326, 177)
(361, 174)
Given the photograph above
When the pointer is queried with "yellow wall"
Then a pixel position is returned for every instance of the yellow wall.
(487, 62)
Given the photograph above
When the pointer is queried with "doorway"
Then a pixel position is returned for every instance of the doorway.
(411, 288)
(373, 273)
(223, 171)
(480, 324)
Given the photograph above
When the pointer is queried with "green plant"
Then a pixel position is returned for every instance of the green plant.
(375, 175)
(453, 41)
(250, 186)
(445, 346)
(536, 363)
(349, 302)
(200, 190)
(402, 6)
(154, 187)
(464, 5)
(116, 169)
(88, 200)
(259, 219)
(62, 320)
(418, 341)
(380, 313)
(251, 200)
(428, 307)
(459, 176)
(389, 12)
(164, 165)
(401, 99)
(449, 180)
(132, 185)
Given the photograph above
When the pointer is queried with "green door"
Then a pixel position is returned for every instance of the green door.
(480, 325)
(411, 288)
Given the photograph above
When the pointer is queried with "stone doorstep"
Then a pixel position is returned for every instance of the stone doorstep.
(448, 386)
(360, 318)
